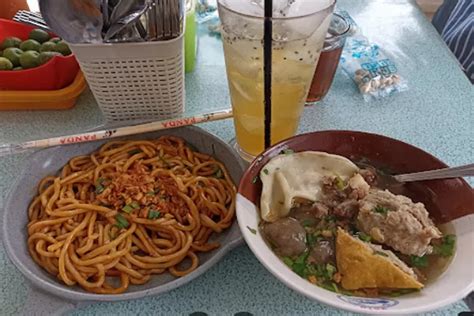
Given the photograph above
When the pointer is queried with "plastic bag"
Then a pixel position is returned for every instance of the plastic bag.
(372, 70)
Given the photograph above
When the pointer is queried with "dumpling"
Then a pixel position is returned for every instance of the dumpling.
(300, 174)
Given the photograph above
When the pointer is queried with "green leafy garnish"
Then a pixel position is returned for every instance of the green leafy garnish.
(127, 208)
(265, 171)
(380, 253)
(99, 188)
(313, 238)
(218, 174)
(299, 266)
(252, 230)
(255, 179)
(287, 151)
(154, 214)
(330, 270)
(446, 249)
(419, 262)
(135, 205)
(288, 261)
(121, 221)
(151, 193)
(364, 237)
(323, 272)
(134, 151)
(381, 209)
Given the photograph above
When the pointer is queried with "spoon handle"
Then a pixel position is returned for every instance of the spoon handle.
(461, 171)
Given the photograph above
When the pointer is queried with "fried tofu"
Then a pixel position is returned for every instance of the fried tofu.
(363, 265)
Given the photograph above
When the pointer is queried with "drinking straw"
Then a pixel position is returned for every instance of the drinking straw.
(267, 70)
(7, 149)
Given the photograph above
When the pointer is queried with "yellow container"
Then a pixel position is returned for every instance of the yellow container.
(61, 99)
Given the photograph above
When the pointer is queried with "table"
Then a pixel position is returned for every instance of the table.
(436, 114)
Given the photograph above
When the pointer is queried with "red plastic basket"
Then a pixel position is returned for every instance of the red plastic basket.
(56, 74)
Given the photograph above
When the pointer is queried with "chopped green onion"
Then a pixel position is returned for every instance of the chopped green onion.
(287, 151)
(288, 261)
(381, 209)
(313, 238)
(299, 266)
(419, 262)
(265, 171)
(151, 193)
(330, 269)
(218, 174)
(255, 179)
(134, 151)
(380, 253)
(121, 221)
(99, 189)
(252, 230)
(154, 214)
(127, 208)
(446, 249)
(364, 237)
(135, 205)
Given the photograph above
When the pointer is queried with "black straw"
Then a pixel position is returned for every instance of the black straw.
(267, 70)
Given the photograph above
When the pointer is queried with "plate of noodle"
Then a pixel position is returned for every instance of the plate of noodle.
(123, 219)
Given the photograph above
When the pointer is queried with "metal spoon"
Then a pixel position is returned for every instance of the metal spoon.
(445, 173)
(129, 19)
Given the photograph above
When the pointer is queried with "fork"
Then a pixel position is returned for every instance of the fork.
(32, 18)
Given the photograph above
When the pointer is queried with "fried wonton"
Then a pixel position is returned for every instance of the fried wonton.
(364, 265)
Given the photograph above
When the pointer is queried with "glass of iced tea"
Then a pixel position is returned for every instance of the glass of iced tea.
(299, 31)
(329, 59)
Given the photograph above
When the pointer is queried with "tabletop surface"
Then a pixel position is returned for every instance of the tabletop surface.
(435, 114)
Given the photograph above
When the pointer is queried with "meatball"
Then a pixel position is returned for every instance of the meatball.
(322, 252)
(287, 236)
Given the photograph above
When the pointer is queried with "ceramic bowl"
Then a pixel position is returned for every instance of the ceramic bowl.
(443, 198)
(49, 161)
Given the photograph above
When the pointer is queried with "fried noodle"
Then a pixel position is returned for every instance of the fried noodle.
(127, 211)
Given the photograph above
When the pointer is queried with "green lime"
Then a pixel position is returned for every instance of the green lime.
(39, 35)
(13, 54)
(48, 47)
(11, 42)
(5, 64)
(55, 40)
(30, 44)
(44, 57)
(63, 48)
(29, 59)
(18, 68)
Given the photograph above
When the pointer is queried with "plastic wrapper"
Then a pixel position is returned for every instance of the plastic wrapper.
(375, 74)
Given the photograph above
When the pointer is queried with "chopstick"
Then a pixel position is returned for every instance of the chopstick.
(9, 149)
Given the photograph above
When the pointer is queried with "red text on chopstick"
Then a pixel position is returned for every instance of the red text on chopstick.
(180, 122)
(77, 139)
